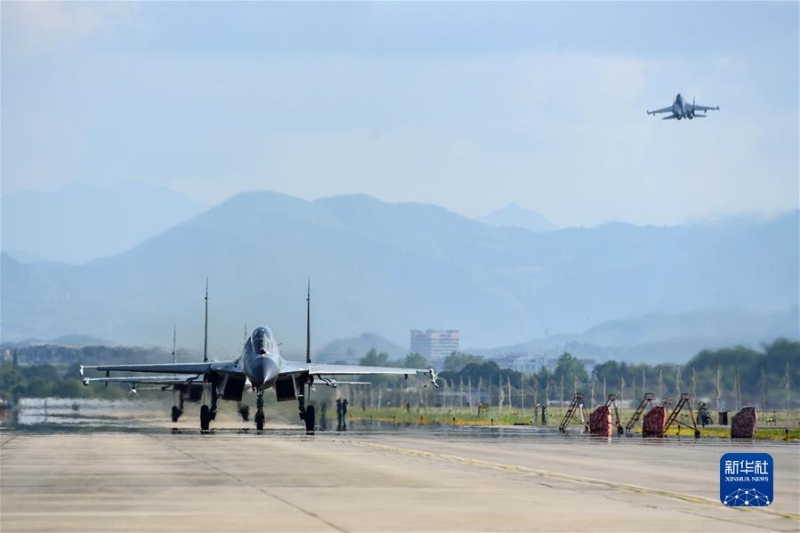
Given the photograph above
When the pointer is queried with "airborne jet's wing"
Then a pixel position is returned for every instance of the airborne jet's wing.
(292, 367)
(705, 108)
(662, 110)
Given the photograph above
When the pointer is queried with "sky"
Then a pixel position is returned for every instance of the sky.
(470, 106)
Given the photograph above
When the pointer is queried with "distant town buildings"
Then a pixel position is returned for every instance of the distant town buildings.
(435, 344)
(519, 361)
(588, 364)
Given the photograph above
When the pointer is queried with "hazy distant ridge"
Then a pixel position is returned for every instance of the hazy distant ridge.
(514, 216)
(388, 268)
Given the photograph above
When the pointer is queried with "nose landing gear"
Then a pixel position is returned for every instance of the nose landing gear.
(260, 418)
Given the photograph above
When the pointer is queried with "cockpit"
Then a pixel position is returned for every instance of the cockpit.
(262, 340)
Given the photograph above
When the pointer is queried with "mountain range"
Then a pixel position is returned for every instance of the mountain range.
(514, 216)
(388, 268)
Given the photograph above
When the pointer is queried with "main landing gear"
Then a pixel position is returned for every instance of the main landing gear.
(208, 414)
(177, 411)
(308, 415)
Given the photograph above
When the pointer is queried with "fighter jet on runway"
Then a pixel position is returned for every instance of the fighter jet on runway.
(681, 109)
(260, 366)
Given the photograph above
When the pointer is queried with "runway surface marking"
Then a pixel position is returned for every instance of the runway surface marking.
(8, 440)
(568, 477)
(243, 482)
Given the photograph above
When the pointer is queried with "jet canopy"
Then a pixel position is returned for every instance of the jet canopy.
(262, 340)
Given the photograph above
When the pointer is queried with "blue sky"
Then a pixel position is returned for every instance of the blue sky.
(467, 105)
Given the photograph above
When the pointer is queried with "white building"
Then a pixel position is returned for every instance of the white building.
(435, 344)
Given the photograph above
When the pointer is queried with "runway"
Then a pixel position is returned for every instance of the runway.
(396, 480)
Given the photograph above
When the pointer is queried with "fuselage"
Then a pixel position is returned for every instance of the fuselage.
(678, 109)
(261, 359)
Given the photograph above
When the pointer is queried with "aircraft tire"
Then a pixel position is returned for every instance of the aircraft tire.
(176, 413)
(310, 419)
(260, 420)
(205, 418)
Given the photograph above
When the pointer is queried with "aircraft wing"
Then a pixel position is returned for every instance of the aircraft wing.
(705, 108)
(292, 367)
(227, 367)
(662, 110)
(152, 380)
(333, 383)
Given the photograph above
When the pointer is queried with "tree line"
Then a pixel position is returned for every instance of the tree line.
(49, 381)
(737, 376)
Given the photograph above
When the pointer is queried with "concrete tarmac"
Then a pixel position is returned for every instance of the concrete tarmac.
(404, 480)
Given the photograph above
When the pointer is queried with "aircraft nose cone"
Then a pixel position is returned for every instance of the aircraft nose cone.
(264, 371)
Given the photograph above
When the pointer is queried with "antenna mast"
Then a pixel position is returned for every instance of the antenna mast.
(308, 323)
(205, 331)
(174, 342)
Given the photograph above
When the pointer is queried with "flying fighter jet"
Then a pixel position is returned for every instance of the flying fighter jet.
(681, 109)
(261, 367)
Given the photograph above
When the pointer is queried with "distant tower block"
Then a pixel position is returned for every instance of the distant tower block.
(743, 423)
(435, 344)
(654, 422)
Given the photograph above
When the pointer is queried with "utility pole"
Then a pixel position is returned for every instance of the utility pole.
(604, 387)
(644, 383)
(508, 382)
(786, 385)
(716, 390)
